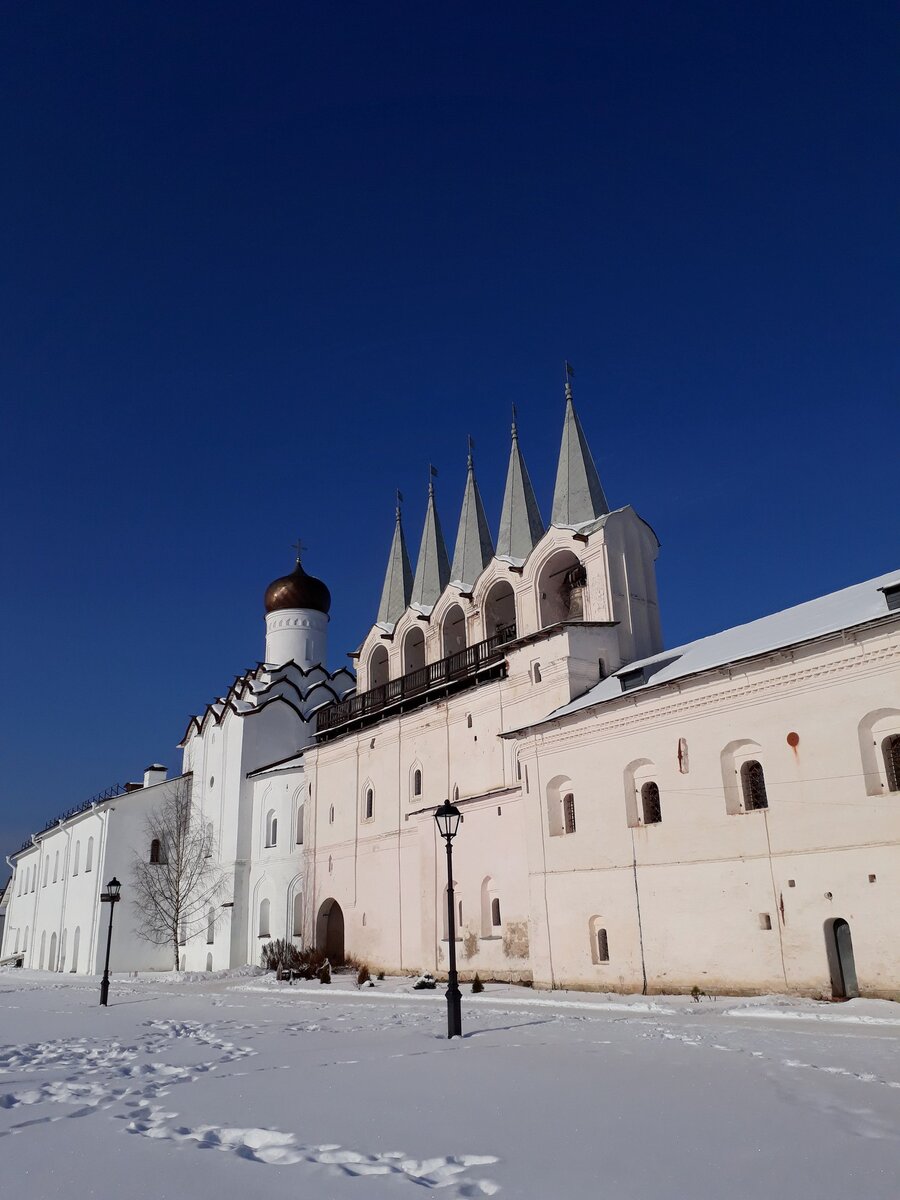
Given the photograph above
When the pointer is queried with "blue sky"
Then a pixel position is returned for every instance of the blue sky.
(263, 263)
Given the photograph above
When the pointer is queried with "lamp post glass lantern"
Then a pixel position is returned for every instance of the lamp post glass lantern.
(110, 897)
(447, 818)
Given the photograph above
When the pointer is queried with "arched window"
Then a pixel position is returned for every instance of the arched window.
(89, 858)
(413, 651)
(536, 673)
(890, 749)
(602, 946)
(300, 825)
(76, 941)
(651, 809)
(560, 813)
(271, 828)
(209, 962)
(453, 631)
(753, 786)
(378, 667)
(156, 851)
(210, 926)
(51, 961)
(210, 839)
(331, 815)
(56, 866)
(264, 907)
(417, 783)
(46, 873)
(500, 611)
(456, 793)
(297, 923)
(369, 808)
(77, 858)
(569, 812)
(490, 908)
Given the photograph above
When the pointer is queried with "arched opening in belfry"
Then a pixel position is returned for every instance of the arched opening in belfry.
(561, 589)
(499, 609)
(378, 667)
(413, 651)
(453, 631)
(330, 931)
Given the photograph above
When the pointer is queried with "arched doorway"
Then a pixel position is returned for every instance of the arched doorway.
(841, 964)
(330, 931)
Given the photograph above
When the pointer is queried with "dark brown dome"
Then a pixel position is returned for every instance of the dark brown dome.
(297, 590)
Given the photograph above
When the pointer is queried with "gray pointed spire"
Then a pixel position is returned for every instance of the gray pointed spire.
(474, 546)
(578, 496)
(398, 578)
(433, 565)
(521, 527)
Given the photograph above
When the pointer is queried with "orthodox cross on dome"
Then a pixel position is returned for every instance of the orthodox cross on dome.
(299, 547)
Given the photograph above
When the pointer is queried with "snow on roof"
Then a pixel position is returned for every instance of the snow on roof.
(816, 618)
(282, 764)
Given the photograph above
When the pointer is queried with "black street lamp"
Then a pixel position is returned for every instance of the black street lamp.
(448, 817)
(110, 897)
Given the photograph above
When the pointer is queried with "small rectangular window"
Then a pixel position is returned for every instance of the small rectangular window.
(632, 679)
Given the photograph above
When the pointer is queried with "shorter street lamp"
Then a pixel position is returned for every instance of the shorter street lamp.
(448, 817)
(110, 897)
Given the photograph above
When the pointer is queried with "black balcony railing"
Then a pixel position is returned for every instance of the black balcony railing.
(109, 793)
(463, 668)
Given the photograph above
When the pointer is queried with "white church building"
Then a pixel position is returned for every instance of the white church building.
(722, 815)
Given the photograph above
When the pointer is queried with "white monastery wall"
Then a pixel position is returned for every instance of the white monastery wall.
(565, 873)
(706, 877)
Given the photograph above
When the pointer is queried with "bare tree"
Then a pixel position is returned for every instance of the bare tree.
(176, 879)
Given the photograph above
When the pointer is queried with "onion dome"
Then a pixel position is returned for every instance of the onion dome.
(297, 590)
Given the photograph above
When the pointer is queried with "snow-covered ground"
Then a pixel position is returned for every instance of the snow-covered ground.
(311, 1091)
